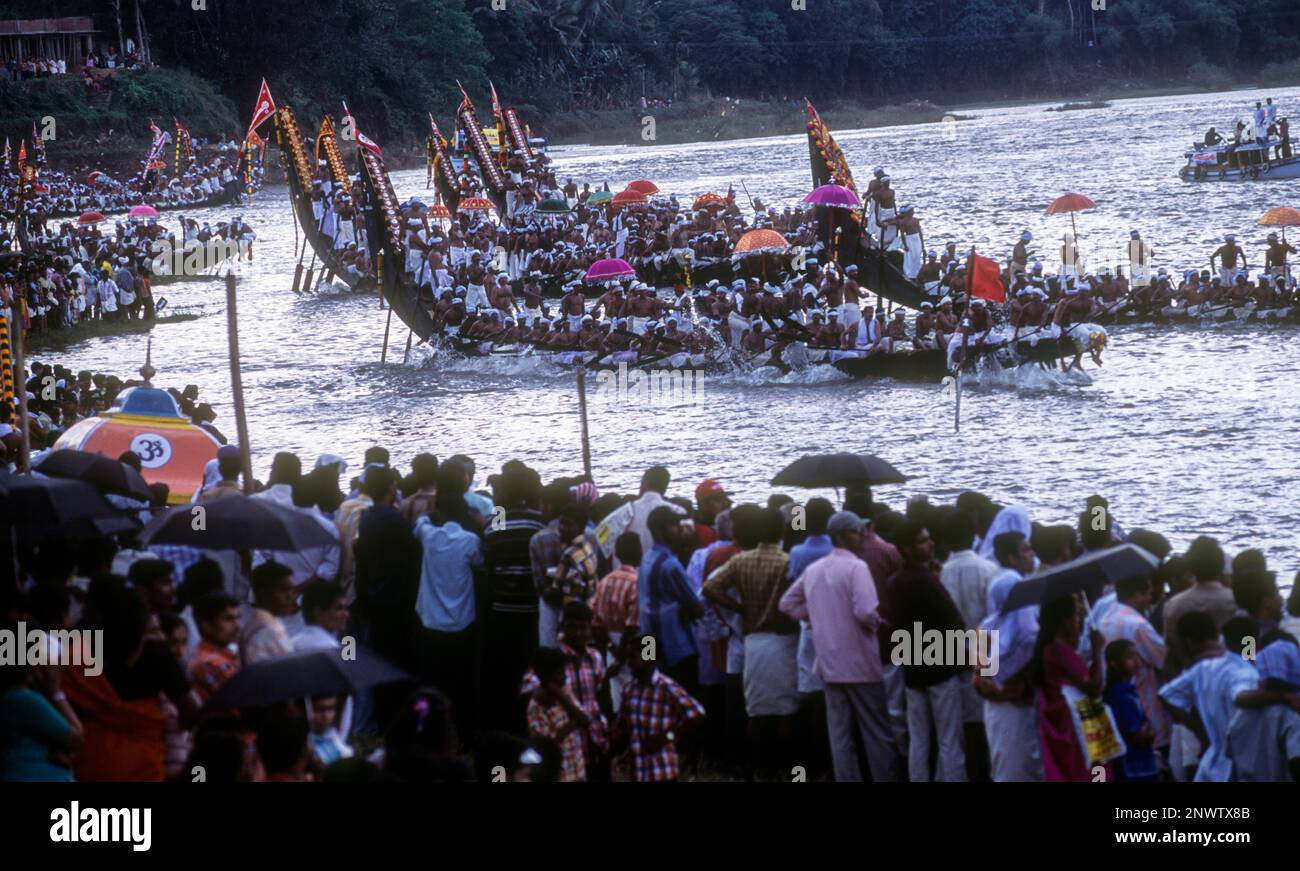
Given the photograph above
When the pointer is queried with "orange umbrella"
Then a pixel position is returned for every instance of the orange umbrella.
(645, 186)
(475, 204)
(709, 201)
(146, 420)
(1071, 203)
(438, 211)
(761, 242)
(628, 197)
(1282, 216)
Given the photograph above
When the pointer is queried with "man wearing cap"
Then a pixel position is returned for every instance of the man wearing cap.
(1275, 258)
(837, 596)
(1020, 254)
(851, 311)
(1228, 254)
(710, 500)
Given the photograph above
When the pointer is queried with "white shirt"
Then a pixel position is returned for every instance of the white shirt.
(632, 517)
(966, 578)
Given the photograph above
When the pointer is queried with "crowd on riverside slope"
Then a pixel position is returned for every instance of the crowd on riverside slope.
(555, 632)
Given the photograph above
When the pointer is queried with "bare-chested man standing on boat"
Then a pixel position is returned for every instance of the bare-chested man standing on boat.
(1228, 254)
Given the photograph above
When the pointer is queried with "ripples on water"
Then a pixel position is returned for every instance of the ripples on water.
(1187, 431)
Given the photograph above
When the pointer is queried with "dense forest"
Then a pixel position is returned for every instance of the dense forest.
(402, 58)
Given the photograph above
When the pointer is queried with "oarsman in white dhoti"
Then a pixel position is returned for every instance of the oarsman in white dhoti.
(346, 234)
(1069, 258)
(317, 201)
(851, 311)
(909, 228)
(1228, 254)
(329, 222)
(1275, 258)
(1139, 260)
(886, 210)
(873, 222)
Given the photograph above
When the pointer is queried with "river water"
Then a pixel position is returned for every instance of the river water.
(1187, 431)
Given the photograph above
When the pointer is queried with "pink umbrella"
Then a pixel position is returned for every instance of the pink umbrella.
(608, 270)
(143, 212)
(835, 196)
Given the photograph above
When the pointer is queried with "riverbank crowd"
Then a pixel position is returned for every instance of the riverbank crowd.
(70, 273)
(552, 631)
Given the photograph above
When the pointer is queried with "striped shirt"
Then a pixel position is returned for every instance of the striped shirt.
(507, 563)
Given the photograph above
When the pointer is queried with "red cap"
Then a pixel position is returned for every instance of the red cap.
(708, 487)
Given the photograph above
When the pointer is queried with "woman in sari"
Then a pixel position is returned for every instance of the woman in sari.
(1057, 664)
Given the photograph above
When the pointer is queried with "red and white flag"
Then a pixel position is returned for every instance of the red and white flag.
(363, 140)
(264, 108)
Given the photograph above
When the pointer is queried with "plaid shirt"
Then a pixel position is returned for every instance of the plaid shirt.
(652, 709)
(614, 605)
(575, 576)
(549, 721)
(210, 667)
(583, 676)
(761, 576)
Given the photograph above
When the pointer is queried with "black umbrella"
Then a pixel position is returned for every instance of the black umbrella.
(303, 675)
(237, 523)
(52, 502)
(104, 473)
(1089, 573)
(838, 470)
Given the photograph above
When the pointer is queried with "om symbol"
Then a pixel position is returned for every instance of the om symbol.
(153, 449)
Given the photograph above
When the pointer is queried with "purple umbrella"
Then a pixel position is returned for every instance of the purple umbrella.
(835, 196)
(608, 270)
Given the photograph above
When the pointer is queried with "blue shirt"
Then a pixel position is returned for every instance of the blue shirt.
(813, 548)
(446, 599)
(662, 589)
(1139, 763)
(1210, 687)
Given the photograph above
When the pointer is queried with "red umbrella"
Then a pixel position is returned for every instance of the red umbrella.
(628, 197)
(645, 186)
(475, 204)
(761, 242)
(438, 211)
(90, 218)
(709, 201)
(1070, 203)
(94, 177)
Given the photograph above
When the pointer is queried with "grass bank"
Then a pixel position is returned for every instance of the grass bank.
(110, 129)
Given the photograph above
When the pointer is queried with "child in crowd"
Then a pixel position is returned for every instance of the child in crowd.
(1122, 663)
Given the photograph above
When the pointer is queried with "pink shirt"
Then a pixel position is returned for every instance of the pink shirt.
(838, 598)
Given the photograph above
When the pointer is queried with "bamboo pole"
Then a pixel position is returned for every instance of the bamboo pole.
(582, 412)
(406, 357)
(383, 355)
(237, 383)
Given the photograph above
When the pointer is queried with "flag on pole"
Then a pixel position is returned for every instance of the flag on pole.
(22, 154)
(985, 278)
(263, 109)
(500, 120)
(362, 139)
